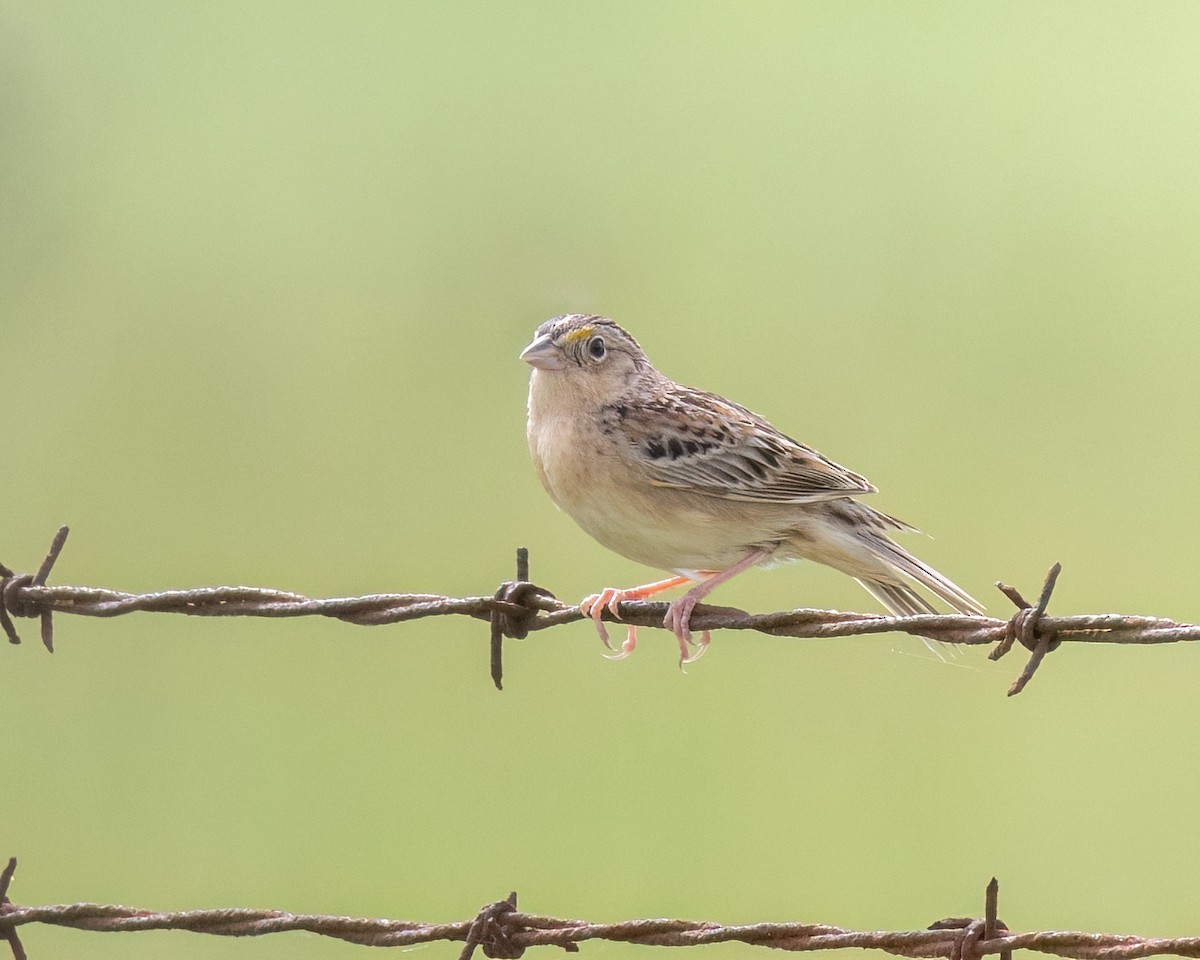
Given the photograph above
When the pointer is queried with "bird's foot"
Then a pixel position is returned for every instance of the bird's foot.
(607, 599)
(678, 621)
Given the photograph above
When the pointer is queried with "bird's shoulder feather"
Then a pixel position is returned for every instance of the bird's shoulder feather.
(693, 440)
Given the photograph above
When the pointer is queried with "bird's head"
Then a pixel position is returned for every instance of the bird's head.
(588, 353)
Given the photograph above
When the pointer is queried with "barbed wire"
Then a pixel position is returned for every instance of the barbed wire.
(520, 607)
(503, 931)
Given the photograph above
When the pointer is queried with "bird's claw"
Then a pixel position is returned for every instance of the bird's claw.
(626, 648)
(678, 621)
(594, 606)
(701, 648)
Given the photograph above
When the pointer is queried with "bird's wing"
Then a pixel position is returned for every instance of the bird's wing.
(691, 440)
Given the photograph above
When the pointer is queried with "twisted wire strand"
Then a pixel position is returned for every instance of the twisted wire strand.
(510, 932)
(520, 607)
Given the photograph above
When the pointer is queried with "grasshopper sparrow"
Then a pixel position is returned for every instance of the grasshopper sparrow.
(689, 482)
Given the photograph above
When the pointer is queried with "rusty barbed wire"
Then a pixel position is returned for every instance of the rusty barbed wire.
(9, 933)
(520, 607)
(503, 931)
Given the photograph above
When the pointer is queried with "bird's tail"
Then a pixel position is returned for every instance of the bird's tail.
(894, 591)
(902, 600)
(899, 600)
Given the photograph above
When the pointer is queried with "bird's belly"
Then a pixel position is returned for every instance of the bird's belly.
(682, 540)
(668, 529)
(664, 529)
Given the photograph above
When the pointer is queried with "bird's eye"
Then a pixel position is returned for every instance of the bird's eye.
(596, 348)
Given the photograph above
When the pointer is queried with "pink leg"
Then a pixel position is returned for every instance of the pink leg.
(679, 613)
(594, 606)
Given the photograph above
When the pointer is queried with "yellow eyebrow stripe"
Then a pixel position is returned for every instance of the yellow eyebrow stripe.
(576, 335)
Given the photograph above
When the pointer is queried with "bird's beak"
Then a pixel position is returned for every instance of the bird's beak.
(543, 354)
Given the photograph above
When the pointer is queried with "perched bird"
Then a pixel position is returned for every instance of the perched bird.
(689, 482)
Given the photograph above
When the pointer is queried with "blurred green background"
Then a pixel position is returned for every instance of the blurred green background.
(264, 273)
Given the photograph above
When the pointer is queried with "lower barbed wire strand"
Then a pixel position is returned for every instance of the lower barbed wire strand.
(526, 930)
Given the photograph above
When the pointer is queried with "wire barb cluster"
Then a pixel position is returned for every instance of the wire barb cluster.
(9, 932)
(505, 933)
(520, 607)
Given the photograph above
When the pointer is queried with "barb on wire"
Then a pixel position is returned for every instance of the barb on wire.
(514, 593)
(502, 931)
(520, 607)
(12, 601)
(9, 933)
(1024, 627)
